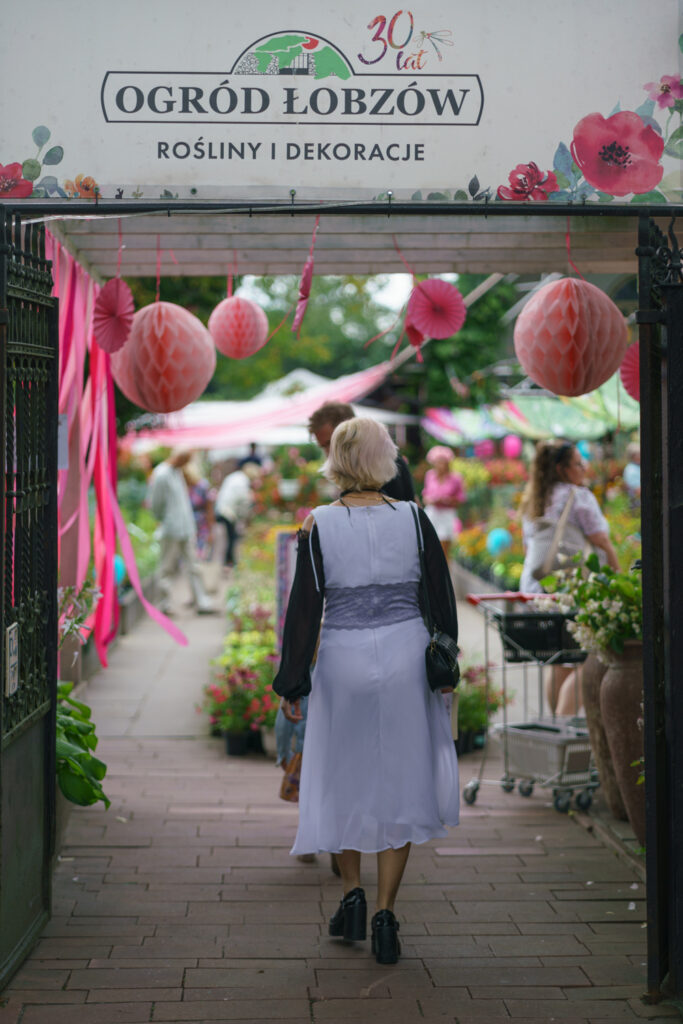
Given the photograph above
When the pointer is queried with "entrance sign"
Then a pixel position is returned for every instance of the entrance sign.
(580, 102)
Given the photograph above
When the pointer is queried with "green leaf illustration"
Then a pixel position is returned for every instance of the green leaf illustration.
(30, 169)
(460, 196)
(649, 197)
(328, 62)
(674, 146)
(280, 44)
(54, 155)
(40, 135)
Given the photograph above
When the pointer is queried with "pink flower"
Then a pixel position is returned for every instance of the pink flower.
(666, 91)
(618, 154)
(528, 183)
(12, 183)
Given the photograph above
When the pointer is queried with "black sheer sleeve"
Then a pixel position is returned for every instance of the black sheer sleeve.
(439, 585)
(400, 486)
(302, 622)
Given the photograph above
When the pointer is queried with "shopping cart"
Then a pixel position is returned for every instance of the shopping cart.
(545, 752)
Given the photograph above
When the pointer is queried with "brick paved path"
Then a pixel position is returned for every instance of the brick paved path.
(181, 902)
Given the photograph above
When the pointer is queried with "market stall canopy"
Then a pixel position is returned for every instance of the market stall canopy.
(278, 415)
(587, 418)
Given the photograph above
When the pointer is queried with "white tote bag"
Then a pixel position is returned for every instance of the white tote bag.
(553, 544)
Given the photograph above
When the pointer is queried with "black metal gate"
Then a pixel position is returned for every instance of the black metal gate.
(661, 389)
(28, 554)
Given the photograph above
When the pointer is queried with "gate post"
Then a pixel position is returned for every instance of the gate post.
(661, 393)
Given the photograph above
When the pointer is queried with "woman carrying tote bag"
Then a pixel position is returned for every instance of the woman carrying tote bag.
(556, 485)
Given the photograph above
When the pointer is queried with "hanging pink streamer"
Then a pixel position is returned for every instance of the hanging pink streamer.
(568, 242)
(88, 403)
(305, 284)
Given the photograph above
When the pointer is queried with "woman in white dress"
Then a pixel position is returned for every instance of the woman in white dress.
(379, 770)
(556, 471)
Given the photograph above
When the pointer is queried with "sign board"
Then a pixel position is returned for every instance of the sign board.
(11, 659)
(516, 103)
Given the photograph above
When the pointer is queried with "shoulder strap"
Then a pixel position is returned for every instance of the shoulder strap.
(429, 622)
(558, 535)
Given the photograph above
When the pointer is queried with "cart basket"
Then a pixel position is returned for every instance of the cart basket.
(538, 636)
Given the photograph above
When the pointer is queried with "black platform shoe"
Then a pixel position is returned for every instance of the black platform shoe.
(350, 919)
(385, 944)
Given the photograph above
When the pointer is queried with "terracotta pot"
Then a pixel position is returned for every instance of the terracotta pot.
(621, 695)
(591, 681)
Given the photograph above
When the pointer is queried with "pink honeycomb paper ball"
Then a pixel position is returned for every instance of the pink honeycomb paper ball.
(570, 337)
(168, 360)
(238, 327)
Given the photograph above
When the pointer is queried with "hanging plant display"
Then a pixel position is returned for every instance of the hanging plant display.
(238, 327)
(570, 337)
(168, 361)
(113, 315)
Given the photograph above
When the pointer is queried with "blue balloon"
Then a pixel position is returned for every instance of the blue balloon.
(119, 570)
(498, 540)
(584, 449)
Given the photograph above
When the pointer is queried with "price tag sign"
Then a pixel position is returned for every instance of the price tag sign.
(11, 659)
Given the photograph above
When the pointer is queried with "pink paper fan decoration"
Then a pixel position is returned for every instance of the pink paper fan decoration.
(238, 327)
(304, 292)
(436, 309)
(629, 371)
(168, 361)
(113, 315)
(570, 337)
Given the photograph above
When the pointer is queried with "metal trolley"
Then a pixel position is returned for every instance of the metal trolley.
(545, 752)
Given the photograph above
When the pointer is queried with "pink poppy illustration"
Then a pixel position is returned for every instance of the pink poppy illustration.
(12, 183)
(666, 91)
(618, 154)
(528, 183)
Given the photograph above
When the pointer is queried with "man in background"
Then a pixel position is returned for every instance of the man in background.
(170, 503)
(330, 415)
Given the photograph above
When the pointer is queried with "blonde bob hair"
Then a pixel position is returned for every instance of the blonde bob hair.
(362, 455)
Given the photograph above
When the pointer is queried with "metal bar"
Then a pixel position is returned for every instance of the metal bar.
(673, 624)
(658, 865)
(68, 208)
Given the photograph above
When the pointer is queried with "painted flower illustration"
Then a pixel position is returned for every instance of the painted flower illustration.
(83, 187)
(666, 91)
(528, 183)
(12, 183)
(618, 154)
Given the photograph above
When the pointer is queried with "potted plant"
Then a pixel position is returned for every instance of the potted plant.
(477, 703)
(607, 608)
(240, 703)
(79, 771)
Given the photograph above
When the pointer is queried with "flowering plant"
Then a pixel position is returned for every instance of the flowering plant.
(477, 703)
(241, 697)
(240, 701)
(608, 605)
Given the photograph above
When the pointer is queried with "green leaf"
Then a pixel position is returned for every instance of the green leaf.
(416, 196)
(680, 43)
(65, 749)
(674, 144)
(460, 196)
(437, 196)
(280, 44)
(40, 135)
(30, 169)
(76, 789)
(54, 155)
(649, 197)
(593, 562)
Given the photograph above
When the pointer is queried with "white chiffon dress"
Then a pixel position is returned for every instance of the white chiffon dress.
(379, 768)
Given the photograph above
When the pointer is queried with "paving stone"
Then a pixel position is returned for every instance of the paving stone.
(253, 1009)
(127, 977)
(536, 945)
(603, 1009)
(130, 995)
(480, 977)
(101, 1013)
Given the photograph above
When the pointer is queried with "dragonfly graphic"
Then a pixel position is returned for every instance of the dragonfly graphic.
(442, 36)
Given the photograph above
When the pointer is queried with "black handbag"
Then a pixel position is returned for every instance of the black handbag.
(441, 654)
